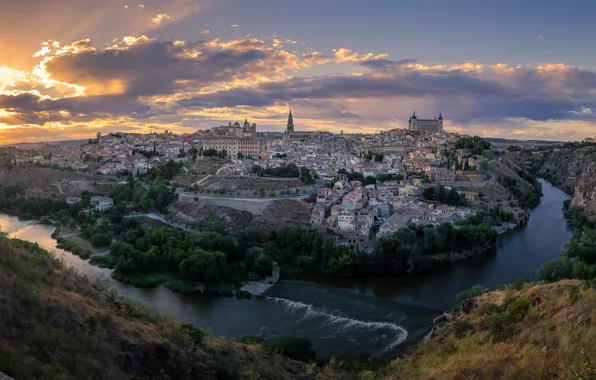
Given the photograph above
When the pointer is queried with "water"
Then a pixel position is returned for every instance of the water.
(520, 254)
(379, 316)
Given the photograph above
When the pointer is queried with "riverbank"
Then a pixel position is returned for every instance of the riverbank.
(355, 315)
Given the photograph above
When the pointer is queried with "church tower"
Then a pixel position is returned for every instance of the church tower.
(290, 127)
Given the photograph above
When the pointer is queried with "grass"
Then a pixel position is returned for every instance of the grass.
(522, 332)
(84, 244)
(59, 325)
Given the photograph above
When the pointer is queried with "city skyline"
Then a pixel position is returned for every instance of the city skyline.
(509, 70)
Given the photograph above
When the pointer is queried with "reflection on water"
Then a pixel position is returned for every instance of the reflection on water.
(375, 315)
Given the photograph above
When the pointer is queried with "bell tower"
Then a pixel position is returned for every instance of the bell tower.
(290, 127)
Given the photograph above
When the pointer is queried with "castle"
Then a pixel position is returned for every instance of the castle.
(426, 125)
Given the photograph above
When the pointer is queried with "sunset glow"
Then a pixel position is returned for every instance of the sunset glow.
(185, 65)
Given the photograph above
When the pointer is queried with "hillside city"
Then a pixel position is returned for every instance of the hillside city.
(363, 185)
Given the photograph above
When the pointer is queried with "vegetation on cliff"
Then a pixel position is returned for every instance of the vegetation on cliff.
(57, 324)
(524, 332)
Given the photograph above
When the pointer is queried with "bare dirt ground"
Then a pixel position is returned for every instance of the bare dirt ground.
(282, 213)
(58, 183)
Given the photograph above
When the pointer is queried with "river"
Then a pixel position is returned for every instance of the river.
(378, 316)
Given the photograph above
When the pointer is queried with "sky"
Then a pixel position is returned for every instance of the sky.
(511, 69)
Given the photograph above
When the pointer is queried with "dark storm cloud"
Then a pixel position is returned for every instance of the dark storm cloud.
(151, 67)
(386, 63)
(469, 92)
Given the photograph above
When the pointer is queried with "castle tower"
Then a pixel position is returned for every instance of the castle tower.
(290, 127)
(440, 122)
(414, 123)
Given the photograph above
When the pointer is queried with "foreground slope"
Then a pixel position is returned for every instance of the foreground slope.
(57, 324)
(537, 332)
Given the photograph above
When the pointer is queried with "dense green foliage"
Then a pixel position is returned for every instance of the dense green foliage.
(416, 247)
(440, 194)
(476, 144)
(135, 197)
(215, 153)
(578, 258)
(196, 257)
(526, 198)
(165, 171)
(285, 171)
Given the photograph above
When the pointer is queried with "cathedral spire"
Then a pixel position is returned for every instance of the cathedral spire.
(290, 127)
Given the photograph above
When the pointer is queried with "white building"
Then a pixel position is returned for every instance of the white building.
(426, 125)
(102, 203)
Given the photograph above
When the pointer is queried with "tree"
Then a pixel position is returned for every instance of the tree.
(193, 153)
(101, 240)
(343, 261)
(369, 180)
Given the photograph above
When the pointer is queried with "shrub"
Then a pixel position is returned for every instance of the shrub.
(469, 293)
(195, 334)
(459, 327)
(501, 326)
(518, 309)
(559, 269)
(101, 240)
(519, 283)
(574, 294)
(293, 347)
(488, 308)
(249, 339)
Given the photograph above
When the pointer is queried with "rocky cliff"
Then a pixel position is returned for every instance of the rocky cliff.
(572, 168)
(584, 194)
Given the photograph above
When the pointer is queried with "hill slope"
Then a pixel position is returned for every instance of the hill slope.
(537, 332)
(57, 324)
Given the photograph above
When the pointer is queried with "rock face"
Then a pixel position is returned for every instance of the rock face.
(563, 168)
(585, 190)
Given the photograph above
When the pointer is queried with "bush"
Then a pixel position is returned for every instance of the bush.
(519, 283)
(518, 309)
(561, 268)
(101, 240)
(195, 334)
(459, 327)
(501, 326)
(293, 347)
(488, 308)
(469, 293)
(574, 294)
(249, 339)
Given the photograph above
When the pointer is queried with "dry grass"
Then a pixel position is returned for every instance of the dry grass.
(545, 344)
(57, 324)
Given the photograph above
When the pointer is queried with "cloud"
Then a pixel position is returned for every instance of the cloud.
(466, 92)
(160, 18)
(180, 84)
(234, 25)
(204, 31)
(540, 37)
(583, 111)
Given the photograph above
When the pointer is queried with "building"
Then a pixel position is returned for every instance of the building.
(235, 130)
(469, 195)
(102, 203)
(426, 125)
(441, 175)
(247, 146)
(292, 134)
